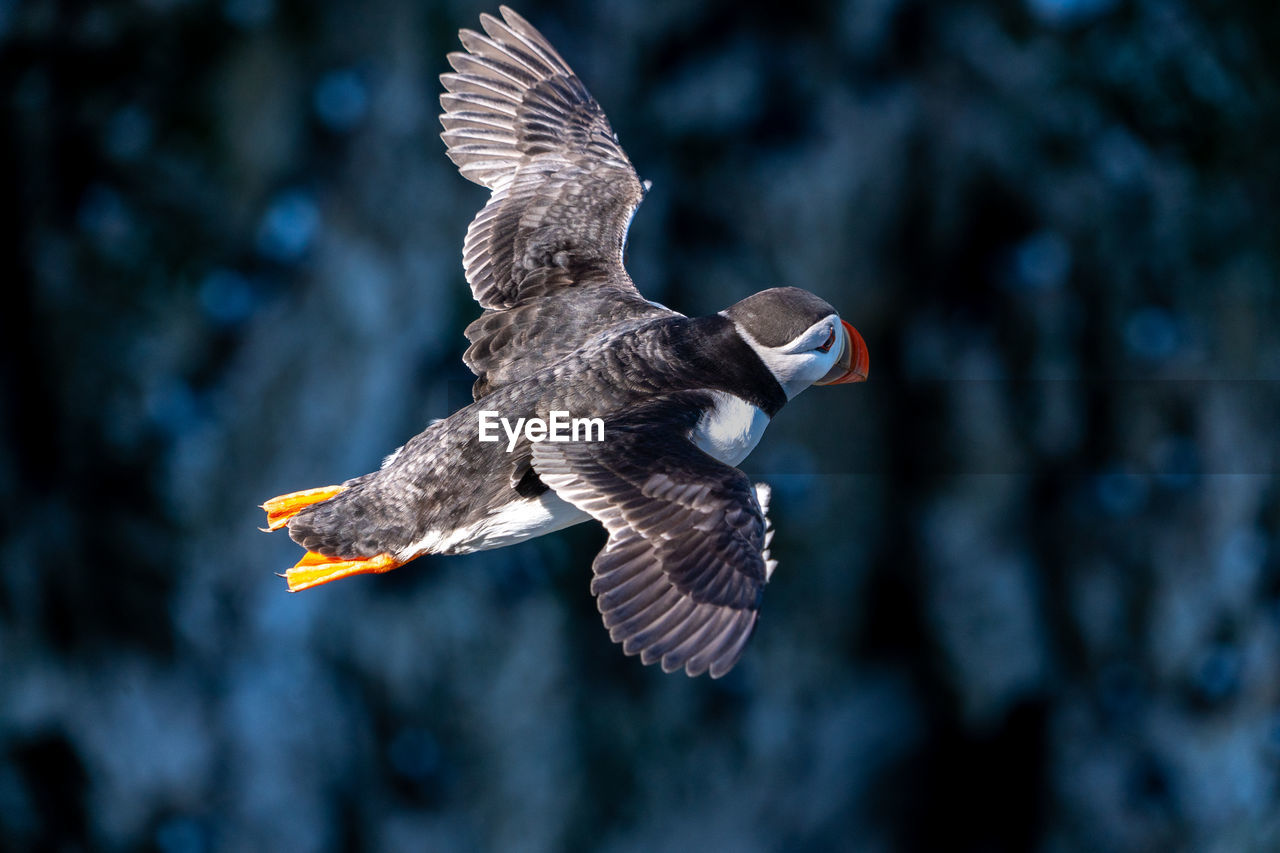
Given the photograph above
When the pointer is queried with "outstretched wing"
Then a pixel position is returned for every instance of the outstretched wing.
(681, 577)
(544, 256)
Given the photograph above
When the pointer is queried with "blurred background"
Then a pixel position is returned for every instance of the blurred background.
(1029, 593)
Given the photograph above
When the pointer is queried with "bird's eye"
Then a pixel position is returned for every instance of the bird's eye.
(831, 339)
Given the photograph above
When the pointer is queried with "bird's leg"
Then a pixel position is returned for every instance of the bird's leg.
(281, 509)
(314, 569)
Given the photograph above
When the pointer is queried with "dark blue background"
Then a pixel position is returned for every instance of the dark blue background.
(1029, 583)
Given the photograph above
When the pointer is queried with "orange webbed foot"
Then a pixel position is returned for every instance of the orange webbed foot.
(315, 569)
(282, 508)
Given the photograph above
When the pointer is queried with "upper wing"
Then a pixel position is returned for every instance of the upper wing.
(518, 121)
(681, 577)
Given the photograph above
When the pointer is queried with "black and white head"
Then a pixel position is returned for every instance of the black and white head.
(800, 338)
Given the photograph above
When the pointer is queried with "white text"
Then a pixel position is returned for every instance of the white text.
(558, 426)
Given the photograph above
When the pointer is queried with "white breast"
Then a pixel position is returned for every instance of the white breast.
(730, 429)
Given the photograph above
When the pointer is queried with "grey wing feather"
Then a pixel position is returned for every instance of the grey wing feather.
(510, 344)
(519, 121)
(680, 579)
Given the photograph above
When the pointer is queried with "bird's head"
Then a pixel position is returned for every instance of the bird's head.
(800, 338)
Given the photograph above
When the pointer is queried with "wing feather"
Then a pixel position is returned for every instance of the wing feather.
(680, 579)
(518, 121)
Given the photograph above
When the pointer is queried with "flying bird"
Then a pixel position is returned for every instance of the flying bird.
(681, 400)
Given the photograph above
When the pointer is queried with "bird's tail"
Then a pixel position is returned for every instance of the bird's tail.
(315, 568)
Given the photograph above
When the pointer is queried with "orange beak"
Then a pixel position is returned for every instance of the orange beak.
(853, 363)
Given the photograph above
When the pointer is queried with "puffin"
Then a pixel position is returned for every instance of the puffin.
(669, 405)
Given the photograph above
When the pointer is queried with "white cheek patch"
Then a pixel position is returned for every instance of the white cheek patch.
(798, 366)
(811, 337)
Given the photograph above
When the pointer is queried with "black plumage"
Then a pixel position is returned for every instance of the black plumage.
(564, 329)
